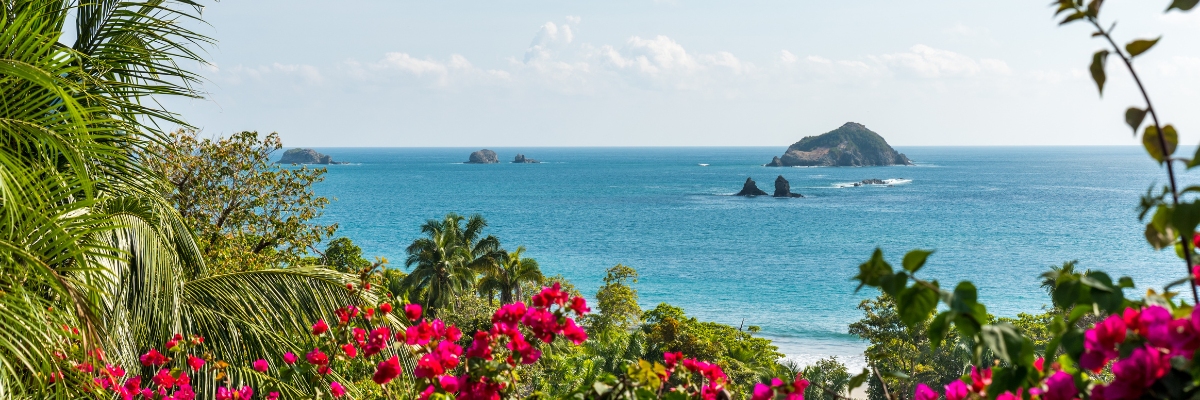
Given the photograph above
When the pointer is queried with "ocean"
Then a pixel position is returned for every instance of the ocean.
(998, 216)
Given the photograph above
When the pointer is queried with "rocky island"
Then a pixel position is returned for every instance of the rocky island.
(784, 189)
(306, 156)
(851, 145)
(484, 156)
(520, 159)
(750, 189)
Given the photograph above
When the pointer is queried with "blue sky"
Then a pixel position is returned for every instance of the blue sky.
(681, 72)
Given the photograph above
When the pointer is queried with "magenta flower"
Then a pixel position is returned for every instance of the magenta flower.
(260, 365)
(273, 396)
(957, 390)
(153, 358)
(195, 362)
(163, 378)
(1060, 386)
(377, 341)
(289, 358)
(762, 392)
(316, 357)
(412, 311)
(320, 328)
(387, 370)
(336, 389)
(350, 351)
(449, 383)
(924, 393)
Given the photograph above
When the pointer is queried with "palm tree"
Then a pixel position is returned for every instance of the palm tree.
(446, 262)
(86, 238)
(509, 273)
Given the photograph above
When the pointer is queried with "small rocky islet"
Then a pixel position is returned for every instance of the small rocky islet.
(782, 189)
(851, 145)
(486, 156)
(306, 156)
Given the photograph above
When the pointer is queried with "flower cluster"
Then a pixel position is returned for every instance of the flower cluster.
(788, 391)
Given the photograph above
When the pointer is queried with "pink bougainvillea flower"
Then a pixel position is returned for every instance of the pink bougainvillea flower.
(543, 324)
(387, 370)
(273, 396)
(672, 359)
(428, 366)
(1100, 343)
(320, 328)
(184, 392)
(924, 393)
(579, 305)
(1132, 375)
(260, 365)
(1039, 363)
(980, 379)
(412, 311)
(957, 390)
(163, 378)
(481, 346)
(377, 341)
(360, 336)
(324, 370)
(195, 362)
(385, 308)
(153, 358)
(131, 388)
(419, 334)
(449, 383)
(350, 350)
(574, 333)
(762, 392)
(1060, 386)
(336, 389)
(1010, 395)
(426, 393)
(289, 358)
(316, 357)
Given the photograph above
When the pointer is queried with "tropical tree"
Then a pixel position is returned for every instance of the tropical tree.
(87, 242)
(446, 262)
(506, 277)
(616, 301)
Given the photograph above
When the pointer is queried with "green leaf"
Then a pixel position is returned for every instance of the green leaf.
(1140, 46)
(1106, 296)
(1072, 18)
(1005, 342)
(1067, 291)
(872, 272)
(1153, 145)
(1185, 217)
(1125, 282)
(939, 328)
(1063, 5)
(1093, 8)
(915, 304)
(1195, 159)
(1183, 4)
(1134, 117)
(1097, 68)
(858, 380)
(914, 260)
(893, 284)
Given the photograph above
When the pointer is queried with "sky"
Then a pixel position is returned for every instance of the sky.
(399, 73)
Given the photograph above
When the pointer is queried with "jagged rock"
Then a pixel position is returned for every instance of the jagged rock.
(850, 145)
(751, 189)
(784, 189)
(305, 156)
(484, 156)
(520, 159)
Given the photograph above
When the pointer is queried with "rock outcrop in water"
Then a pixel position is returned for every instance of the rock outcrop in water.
(520, 159)
(750, 189)
(305, 156)
(784, 189)
(484, 156)
(851, 145)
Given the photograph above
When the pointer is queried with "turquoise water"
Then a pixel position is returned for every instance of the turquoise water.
(996, 216)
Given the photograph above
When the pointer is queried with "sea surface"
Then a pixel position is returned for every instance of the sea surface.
(998, 216)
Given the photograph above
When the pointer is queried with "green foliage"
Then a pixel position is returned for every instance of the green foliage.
(246, 212)
(899, 349)
(862, 139)
(508, 276)
(341, 254)
(826, 378)
(616, 302)
(447, 261)
(745, 358)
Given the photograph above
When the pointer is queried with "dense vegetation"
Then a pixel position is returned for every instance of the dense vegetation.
(137, 263)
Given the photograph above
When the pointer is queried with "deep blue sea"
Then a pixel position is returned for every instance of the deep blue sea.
(998, 216)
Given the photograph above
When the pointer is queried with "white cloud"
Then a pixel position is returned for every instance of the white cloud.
(574, 19)
(927, 62)
(787, 57)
